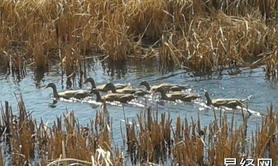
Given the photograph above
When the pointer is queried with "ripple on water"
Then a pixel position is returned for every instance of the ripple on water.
(247, 83)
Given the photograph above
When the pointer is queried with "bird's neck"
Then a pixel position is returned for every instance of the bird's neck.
(55, 93)
(148, 87)
(208, 100)
(93, 84)
(98, 99)
(163, 95)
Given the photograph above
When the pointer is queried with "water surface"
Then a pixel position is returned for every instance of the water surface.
(250, 83)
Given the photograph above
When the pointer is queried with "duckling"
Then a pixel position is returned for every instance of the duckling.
(123, 98)
(103, 87)
(166, 86)
(177, 95)
(228, 102)
(78, 94)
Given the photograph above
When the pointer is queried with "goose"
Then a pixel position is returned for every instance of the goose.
(227, 102)
(78, 94)
(177, 95)
(123, 98)
(103, 87)
(126, 90)
(166, 86)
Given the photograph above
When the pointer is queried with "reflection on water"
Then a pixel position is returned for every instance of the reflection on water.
(115, 70)
(243, 84)
(38, 77)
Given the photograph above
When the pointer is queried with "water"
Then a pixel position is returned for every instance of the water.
(250, 83)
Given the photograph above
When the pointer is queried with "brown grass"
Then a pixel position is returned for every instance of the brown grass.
(150, 139)
(66, 141)
(187, 143)
(202, 35)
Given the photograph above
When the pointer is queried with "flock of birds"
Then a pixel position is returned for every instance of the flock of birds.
(124, 93)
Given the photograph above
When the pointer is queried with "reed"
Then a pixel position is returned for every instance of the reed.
(149, 142)
(37, 143)
(202, 35)
(151, 138)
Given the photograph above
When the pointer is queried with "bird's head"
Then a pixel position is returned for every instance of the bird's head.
(90, 80)
(144, 83)
(110, 86)
(50, 85)
(206, 94)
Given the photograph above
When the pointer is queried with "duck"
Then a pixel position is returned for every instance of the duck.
(78, 94)
(111, 87)
(103, 87)
(226, 102)
(166, 86)
(126, 90)
(176, 95)
(123, 98)
(140, 92)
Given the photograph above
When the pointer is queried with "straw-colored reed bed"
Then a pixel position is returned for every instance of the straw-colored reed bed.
(151, 138)
(65, 142)
(188, 143)
(201, 35)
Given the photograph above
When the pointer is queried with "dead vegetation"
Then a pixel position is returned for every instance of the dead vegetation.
(150, 142)
(201, 35)
(65, 142)
(151, 138)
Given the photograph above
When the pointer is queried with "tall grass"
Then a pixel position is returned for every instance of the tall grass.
(155, 140)
(150, 138)
(202, 35)
(65, 142)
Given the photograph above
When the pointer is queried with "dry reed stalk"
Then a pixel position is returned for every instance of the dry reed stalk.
(271, 61)
(1, 158)
(202, 35)
(266, 137)
(62, 140)
(151, 141)
(4, 58)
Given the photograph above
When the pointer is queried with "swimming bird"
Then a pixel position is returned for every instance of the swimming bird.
(140, 92)
(177, 95)
(112, 87)
(103, 87)
(123, 98)
(78, 94)
(227, 102)
(166, 86)
(126, 90)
